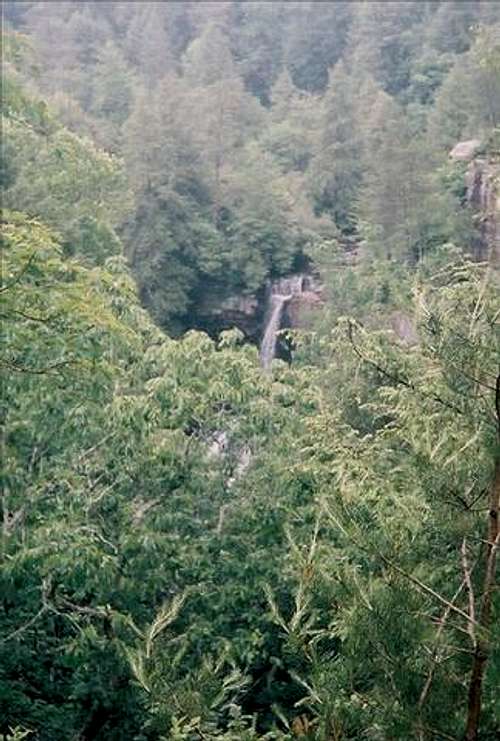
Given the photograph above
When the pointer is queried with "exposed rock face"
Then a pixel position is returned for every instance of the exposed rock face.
(404, 328)
(465, 151)
(244, 312)
(483, 195)
(290, 300)
(482, 181)
(251, 313)
(301, 305)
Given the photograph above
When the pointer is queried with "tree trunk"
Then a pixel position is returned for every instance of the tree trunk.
(482, 649)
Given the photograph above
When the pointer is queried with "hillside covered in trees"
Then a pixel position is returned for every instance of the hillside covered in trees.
(250, 371)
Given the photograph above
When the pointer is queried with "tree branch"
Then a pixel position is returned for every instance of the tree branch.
(470, 593)
(396, 378)
(37, 371)
(482, 649)
(19, 275)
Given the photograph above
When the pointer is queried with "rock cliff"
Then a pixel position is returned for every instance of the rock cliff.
(482, 181)
(250, 313)
(483, 195)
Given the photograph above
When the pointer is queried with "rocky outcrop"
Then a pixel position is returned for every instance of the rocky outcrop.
(483, 195)
(246, 312)
(250, 313)
(465, 151)
(301, 306)
(482, 181)
(404, 328)
(290, 300)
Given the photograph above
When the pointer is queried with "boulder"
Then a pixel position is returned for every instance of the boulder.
(404, 327)
(217, 314)
(465, 151)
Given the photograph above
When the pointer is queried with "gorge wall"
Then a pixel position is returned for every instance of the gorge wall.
(483, 195)
(286, 302)
(289, 301)
(482, 183)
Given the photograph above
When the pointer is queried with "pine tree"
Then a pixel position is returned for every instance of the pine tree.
(384, 39)
(284, 96)
(336, 170)
(224, 113)
(112, 95)
(315, 40)
(148, 44)
(467, 105)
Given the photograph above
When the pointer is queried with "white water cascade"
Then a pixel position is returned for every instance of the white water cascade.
(282, 291)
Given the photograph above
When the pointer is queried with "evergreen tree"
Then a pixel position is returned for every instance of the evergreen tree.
(257, 32)
(336, 169)
(453, 25)
(315, 41)
(467, 105)
(147, 42)
(404, 209)
(192, 548)
(384, 39)
(294, 120)
(112, 94)
(208, 59)
(390, 481)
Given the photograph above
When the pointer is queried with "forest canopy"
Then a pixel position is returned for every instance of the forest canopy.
(250, 371)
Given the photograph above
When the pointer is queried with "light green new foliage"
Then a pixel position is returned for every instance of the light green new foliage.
(51, 173)
(114, 506)
(192, 548)
(402, 498)
(67, 182)
(335, 174)
(467, 105)
(55, 326)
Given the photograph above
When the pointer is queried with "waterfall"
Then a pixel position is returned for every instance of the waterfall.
(282, 290)
(292, 285)
(268, 345)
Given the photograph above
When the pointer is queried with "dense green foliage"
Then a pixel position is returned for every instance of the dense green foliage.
(192, 548)
(241, 124)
